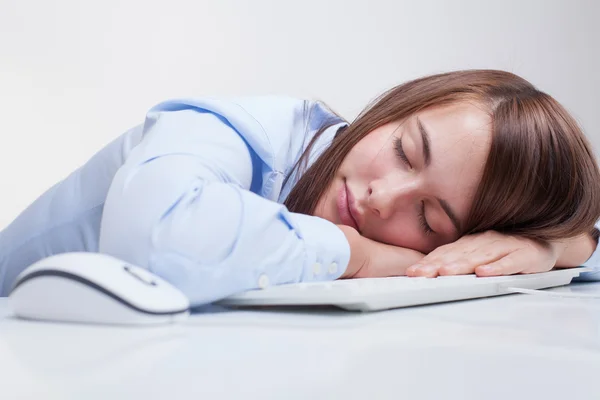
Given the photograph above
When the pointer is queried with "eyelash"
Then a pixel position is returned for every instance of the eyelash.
(426, 228)
(402, 155)
(400, 151)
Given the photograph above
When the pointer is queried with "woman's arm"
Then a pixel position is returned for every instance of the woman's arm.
(584, 248)
(371, 259)
(181, 207)
(576, 251)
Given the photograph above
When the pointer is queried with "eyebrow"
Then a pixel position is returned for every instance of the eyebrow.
(446, 207)
(427, 157)
(425, 139)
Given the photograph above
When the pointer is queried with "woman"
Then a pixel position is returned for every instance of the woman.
(477, 169)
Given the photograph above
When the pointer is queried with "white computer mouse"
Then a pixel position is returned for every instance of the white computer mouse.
(95, 288)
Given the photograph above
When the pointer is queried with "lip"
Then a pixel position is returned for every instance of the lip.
(346, 208)
(354, 213)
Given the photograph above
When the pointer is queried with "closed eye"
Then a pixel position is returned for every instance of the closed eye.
(402, 155)
(400, 151)
(423, 221)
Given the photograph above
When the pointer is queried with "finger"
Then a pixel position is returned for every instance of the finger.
(461, 267)
(464, 255)
(467, 246)
(508, 265)
(468, 263)
(519, 261)
(460, 262)
(434, 260)
(416, 269)
(428, 271)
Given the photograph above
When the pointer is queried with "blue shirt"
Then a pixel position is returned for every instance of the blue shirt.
(195, 195)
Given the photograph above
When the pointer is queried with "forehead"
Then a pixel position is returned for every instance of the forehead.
(460, 137)
(458, 122)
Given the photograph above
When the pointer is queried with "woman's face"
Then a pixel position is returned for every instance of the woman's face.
(410, 183)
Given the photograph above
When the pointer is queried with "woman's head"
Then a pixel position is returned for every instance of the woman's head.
(502, 156)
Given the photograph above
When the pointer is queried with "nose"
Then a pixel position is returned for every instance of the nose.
(388, 195)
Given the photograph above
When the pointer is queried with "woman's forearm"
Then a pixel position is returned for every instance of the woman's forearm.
(576, 251)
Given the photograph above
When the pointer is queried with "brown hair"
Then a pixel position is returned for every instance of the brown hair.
(540, 180)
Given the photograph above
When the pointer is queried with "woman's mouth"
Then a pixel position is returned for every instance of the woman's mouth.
(345, 203)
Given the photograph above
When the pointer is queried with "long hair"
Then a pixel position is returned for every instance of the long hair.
(540, 179)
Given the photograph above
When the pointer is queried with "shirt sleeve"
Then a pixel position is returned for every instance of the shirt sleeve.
(592, 262)
(182, 207)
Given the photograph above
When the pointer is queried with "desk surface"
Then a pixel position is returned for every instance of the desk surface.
(510, 347)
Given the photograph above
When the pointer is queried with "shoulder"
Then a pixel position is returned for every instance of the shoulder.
(235, 106)
(274, 112)
(270, 118)
(267, 110)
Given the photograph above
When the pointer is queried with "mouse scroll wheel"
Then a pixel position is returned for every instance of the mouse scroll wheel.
(140, 274)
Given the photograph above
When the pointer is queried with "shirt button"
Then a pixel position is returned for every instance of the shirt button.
(333, 267)
(263, 281)
(316, 268)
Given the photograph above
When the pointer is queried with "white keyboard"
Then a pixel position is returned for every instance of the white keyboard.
(371, 294)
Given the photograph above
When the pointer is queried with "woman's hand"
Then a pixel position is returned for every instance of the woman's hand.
(489, 254)
(371, 259)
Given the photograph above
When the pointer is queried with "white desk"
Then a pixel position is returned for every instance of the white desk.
(510, 347)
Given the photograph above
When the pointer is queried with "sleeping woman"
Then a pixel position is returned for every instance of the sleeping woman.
(466, 172)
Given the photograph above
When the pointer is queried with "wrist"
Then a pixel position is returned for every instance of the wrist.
(357, 255)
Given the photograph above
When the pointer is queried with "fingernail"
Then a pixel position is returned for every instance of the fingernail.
(427, 269)
(486, 269)
(413, 268)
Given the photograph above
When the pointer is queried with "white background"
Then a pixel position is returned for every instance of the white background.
(75, 74)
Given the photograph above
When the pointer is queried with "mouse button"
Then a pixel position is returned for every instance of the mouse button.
(140, 274)
(132, 289)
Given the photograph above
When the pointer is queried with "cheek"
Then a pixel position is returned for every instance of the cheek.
(327, 205)
(361, 162)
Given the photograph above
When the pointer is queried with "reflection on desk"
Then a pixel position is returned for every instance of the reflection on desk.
(509, 347)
